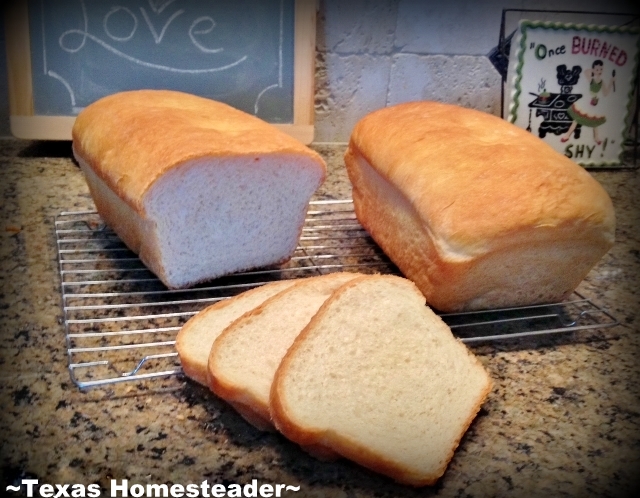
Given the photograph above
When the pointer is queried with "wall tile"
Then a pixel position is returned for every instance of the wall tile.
(358, 26)
(348, 87)
(470, 81)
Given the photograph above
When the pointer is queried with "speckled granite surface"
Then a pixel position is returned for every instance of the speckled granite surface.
(563, 418)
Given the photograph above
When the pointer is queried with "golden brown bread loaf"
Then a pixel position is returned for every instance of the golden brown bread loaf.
(476, 211)
(197, 188)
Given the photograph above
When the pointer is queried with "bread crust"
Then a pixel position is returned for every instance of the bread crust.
(306, 436)
(157, 130)
(136, 231)
(451, 193)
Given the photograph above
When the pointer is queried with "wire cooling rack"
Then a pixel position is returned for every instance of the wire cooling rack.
(120, 321)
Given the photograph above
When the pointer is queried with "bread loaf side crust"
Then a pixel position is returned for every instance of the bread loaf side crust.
(157, 130)
(136, 231)
(477, 212)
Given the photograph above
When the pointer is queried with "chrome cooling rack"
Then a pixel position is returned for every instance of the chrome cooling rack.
(121, 321)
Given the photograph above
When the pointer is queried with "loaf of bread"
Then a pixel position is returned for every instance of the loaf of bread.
(378, 378)
(196, 188)
(476, 211)
(195, 338)
(245, 356)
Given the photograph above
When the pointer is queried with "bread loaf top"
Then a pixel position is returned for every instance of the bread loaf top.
(132, 138)
(478, 179)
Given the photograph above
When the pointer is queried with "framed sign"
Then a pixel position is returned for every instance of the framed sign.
(256, 55)
(573, 85)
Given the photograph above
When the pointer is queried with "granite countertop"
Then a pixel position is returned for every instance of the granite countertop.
(563, 418)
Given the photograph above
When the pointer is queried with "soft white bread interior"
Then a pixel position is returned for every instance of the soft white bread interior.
(476, 211)
(195, 338)
(195, 187)
(245, 356)
(379, 378)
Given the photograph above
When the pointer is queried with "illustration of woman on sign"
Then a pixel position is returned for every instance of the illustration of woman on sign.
(591, 118)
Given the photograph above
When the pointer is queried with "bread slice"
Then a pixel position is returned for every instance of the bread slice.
(196, 188)
(379, 378)
(477, 212)
(195, 338)
(244, 358)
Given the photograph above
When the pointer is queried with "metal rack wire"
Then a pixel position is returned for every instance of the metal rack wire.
(120, 321)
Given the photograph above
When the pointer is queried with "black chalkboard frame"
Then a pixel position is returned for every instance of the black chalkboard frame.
(25, 123)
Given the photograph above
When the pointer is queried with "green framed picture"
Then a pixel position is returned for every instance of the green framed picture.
(573, 85)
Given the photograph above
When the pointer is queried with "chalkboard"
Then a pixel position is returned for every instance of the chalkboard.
(256, 55)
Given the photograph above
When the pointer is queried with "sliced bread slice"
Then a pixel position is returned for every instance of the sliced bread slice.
(244, 358)
(195, 338)
(379, 378)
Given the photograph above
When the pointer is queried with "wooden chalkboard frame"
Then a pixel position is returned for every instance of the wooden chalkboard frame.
(27, 125)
